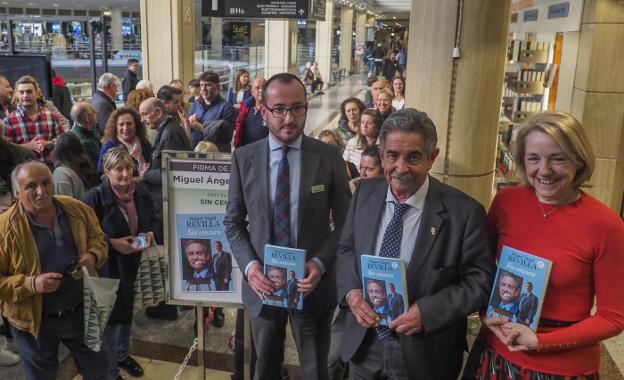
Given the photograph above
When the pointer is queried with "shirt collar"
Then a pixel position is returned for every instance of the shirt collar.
(276, 145)
(202, 273)
(416, 200)
(58, 213)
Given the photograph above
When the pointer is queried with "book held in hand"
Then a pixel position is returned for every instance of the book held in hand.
(284, 266)
(519, 287)
(385, 287)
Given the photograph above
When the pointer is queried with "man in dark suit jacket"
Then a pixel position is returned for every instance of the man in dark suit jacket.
(396, 302)
(528, 305)
(291, 289)
(316, 183)
(444, 243)
(222, 267)
(104, 99)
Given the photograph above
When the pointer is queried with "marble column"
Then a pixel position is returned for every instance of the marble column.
(346, 37)
(360, 38)
(280, 39)
(324, 39)
(116, 23)
(168, 40)
(216, 38)
(598, 96)
(461, 95)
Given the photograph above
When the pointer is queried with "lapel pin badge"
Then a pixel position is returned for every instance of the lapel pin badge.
(433, 231)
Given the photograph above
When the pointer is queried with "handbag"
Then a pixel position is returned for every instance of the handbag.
(99, 296)
(150, 283)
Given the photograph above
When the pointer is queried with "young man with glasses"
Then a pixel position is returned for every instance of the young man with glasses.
(304, 179)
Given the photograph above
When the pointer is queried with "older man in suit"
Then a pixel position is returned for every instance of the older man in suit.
(441, 235)
(286, 185)
(527, 306)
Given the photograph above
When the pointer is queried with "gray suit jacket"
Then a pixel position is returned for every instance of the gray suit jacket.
(321, 164)
(449, 275)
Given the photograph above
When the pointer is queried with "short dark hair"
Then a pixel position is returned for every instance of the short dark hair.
(372, 152)
(282, 78)
(411, 120)
(194, 83)
(166, 92)
(209, 76)
(131, 61)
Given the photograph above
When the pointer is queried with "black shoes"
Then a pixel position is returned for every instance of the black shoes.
(218, 318)
(162, 311)
(131, 366)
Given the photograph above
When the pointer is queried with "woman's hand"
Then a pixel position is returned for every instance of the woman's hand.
(525, 338)
(495, 324)
(123, 245)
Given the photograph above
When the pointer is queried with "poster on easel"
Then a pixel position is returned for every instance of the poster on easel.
(201, 269)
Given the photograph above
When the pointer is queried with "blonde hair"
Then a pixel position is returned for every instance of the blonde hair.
(568, 134)
(115, 155)
(385, 91)
(206, 147)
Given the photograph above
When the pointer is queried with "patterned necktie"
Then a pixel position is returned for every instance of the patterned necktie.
(391, 247)
(281, 205)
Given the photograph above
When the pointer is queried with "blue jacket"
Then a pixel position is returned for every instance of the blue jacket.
(218, 110)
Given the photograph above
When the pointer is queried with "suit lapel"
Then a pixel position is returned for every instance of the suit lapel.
(430, 224)
(310, 160)
(372, 218)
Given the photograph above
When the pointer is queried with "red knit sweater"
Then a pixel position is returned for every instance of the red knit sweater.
(585, 241)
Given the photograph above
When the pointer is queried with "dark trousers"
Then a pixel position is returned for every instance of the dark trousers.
(336, 366)
(378, 360)
(311, 333)
(239, 349)
(40, 355)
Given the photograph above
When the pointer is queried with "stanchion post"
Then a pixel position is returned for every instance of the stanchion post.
(247, 347)
(201, 345)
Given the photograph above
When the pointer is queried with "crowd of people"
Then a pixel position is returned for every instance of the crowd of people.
(362, 186)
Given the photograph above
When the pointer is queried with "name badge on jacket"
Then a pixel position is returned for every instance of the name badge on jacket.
(317, 189)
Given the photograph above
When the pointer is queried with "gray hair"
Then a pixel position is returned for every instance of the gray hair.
(410, 120)
(80, 111)
(19, 168)
(107, 80)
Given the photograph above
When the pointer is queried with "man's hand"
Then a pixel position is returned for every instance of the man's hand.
(258, 281)
(88, 261)
(408, 323)
(313, 276)
(362, 311)
(495, 324)
(35, 145)
(123, 245)
(47, 282)
(525, 338)
(194, 123)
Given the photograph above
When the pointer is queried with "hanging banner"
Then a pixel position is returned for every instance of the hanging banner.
(201, 268)
(280, 9)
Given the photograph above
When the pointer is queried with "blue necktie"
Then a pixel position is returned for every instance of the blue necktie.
(281, 204)
(391, 247)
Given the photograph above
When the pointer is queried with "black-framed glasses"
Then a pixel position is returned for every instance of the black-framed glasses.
(280, 112)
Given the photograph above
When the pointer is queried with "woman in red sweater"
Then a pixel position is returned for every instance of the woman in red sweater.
(552, 218)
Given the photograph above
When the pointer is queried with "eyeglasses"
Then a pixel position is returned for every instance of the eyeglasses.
(280, 112)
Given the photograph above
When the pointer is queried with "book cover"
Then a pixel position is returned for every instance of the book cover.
(284, 267)
(385, 287)
(519, 287)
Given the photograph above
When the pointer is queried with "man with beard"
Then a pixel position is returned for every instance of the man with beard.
(211, 117)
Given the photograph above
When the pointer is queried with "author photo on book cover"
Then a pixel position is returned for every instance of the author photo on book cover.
(550, 215)
(378, 299)
(277, 276)
(506, 300)
(197, 269)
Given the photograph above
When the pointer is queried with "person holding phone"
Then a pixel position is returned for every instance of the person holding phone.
(125, 211)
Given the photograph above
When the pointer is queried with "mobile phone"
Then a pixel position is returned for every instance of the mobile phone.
(139, 242)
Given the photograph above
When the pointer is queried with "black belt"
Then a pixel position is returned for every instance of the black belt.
(63, 313)
(554, 323)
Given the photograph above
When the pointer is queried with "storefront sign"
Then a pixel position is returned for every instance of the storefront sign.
(530, 15)
(519, 5)
(279, 9)
(559, 10)
(514, 18)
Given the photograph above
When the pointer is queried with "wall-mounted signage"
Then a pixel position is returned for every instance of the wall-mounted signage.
(279, 9)
(559, 10)
(530, 15)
